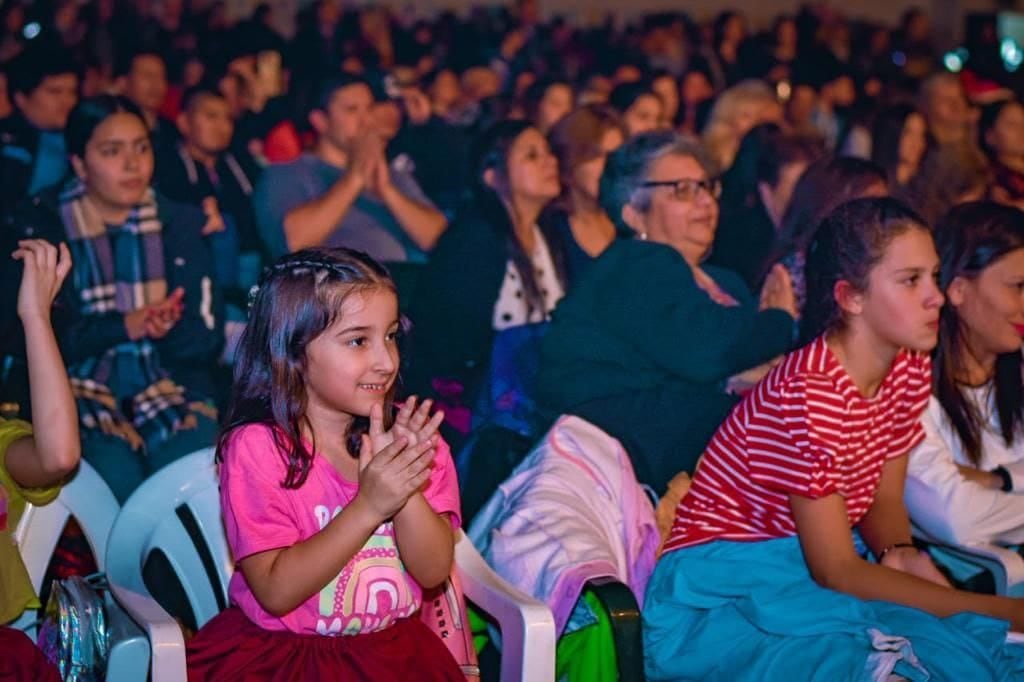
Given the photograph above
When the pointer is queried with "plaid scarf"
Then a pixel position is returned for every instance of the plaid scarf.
(123, 391)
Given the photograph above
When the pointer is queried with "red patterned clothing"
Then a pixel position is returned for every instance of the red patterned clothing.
(805, 430)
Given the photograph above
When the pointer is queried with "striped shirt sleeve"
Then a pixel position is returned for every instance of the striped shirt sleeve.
(792, 449)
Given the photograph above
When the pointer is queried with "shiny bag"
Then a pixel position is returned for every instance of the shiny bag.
(73, 634)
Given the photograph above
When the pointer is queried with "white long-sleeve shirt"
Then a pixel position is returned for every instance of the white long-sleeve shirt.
(948, 506)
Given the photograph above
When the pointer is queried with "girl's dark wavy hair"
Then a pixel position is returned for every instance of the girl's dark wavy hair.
(886, 133)
(89, 113)
(491, 152)
(825, 184)
(846, 247)
(990, 114)
(969, 239)
(297, 299)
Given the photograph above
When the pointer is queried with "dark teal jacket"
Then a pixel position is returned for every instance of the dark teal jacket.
(641, 351)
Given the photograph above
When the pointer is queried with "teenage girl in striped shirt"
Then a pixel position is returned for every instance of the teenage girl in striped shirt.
(761, 577)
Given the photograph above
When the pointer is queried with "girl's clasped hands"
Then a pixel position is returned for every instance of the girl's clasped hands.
(395, 463)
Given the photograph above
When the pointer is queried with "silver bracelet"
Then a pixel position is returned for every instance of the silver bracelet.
(895, 545)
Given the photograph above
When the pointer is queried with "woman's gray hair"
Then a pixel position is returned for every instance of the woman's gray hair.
(627, 169)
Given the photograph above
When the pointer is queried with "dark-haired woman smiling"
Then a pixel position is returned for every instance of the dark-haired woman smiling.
(493, 269)
(965, 482)
(144, 328)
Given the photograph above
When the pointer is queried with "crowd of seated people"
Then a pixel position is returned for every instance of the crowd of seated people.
(786, 260)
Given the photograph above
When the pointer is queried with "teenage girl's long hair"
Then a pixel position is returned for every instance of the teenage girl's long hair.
(970, 238)
(825, 184)
(298, 298)
(845, 247)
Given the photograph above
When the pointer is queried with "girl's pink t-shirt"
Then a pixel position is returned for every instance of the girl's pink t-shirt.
(373, 590)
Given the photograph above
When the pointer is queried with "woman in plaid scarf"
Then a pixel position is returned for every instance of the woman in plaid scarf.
(142, 329)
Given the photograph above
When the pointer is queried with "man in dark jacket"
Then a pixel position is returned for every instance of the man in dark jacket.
(44, 89)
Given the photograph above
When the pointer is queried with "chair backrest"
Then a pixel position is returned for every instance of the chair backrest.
(176, 512)
(1003, 565)
(86, 498)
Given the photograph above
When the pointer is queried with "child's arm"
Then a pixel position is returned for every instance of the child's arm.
(54, 451)
(282, 579)
(425, 542)
(827, 544)
(425, 539)
(887, 524)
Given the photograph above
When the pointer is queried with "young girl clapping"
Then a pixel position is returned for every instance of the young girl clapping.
(338, 512)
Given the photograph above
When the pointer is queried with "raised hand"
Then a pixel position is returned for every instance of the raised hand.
(156, 319)
(214, 219)
(513, 41)
(777, 291)
(381, 181)
(417, 105)
(366, 156)
(162, 316)
(415, 423)
(389, 477)
(46, 267)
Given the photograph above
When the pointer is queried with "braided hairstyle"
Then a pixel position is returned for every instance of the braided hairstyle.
(297, 299)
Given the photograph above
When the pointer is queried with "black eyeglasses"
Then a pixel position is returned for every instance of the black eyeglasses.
(686, 189)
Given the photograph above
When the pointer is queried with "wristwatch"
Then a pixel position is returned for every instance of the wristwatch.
(1007, 479)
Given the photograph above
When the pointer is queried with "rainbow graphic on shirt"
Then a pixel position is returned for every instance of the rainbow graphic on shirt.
(372, 591)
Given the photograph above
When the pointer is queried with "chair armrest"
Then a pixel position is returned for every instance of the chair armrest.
(1005, 565)
(167, 663)
(527, 625)
(129, 647)
(624, 613)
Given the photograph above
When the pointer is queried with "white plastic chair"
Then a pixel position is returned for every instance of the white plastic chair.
(1005, 565)
(186, 492)
(88, 499)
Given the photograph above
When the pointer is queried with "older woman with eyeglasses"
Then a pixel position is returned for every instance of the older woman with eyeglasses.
(651, 345)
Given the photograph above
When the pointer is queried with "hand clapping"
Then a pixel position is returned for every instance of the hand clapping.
(777, 292)
(394, 464)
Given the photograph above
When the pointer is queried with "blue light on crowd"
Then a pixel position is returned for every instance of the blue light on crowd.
(31, 30)
(1011, 53)
(953, 62)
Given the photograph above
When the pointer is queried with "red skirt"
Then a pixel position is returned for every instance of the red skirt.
(22, 661)
(231, 647)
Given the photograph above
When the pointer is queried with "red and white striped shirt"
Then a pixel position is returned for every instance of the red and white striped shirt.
(804, 430)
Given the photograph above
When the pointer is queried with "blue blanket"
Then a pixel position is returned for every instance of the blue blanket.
(751, 611)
